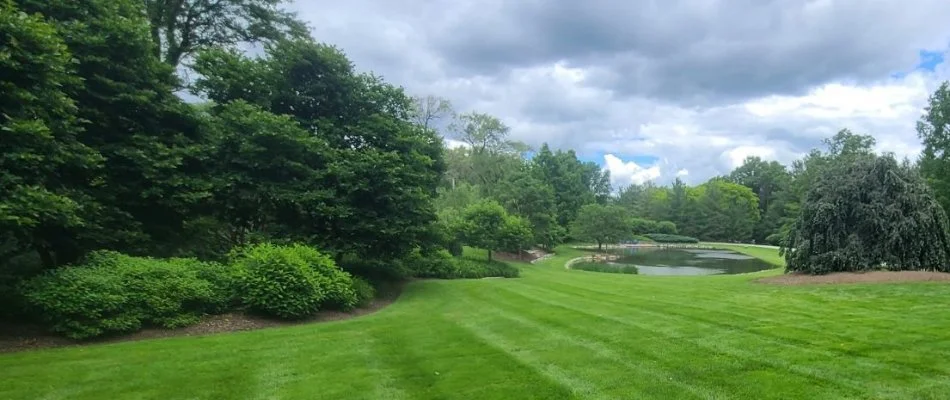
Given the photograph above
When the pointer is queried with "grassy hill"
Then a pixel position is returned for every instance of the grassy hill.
(551, 334)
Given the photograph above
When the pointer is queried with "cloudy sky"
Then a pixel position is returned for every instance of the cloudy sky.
(654, 89)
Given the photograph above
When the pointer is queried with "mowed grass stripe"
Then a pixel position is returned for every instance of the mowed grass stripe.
(785, 313)
(788, 332)
(795, 348)
(645, 365)
(750, 352)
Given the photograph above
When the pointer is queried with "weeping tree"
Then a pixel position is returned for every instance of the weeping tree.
(869, 214)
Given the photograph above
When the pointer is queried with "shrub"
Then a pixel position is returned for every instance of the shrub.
(374, 269)
(364, 292)
(114, 293)
(340, 293)
(278, 281)
(293, 281)
(442, 265)
(666, 227)
(476, 269)
(438, 264)
(605, 267)
(665, 238)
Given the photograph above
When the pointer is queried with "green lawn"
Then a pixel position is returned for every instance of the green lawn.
(768, 254)
(551, 334)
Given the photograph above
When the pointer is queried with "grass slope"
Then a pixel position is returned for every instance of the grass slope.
(768, 254)
(552, 334)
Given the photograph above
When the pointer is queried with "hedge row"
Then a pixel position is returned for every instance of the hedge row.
(666, 238)
(442, 265)
(115, 293)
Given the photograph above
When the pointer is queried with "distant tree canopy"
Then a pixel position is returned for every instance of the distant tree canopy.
(870, 213)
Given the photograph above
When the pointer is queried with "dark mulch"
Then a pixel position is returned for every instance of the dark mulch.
(856, 277)
(24, 336)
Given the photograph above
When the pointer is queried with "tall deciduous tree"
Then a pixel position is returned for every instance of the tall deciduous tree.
(44, 167)
(869, 213)
(131, 117)
(767, 179)
(429, 110)
(380, 169)
(601, 224)
(181, 27)
(482, 132)
(933, 128)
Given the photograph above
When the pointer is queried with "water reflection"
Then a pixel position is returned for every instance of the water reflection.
(659, 261)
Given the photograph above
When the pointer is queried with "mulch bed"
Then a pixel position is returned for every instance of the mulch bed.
(856, 277)
(22, 336)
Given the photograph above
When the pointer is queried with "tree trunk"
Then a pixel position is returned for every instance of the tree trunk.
(489, 255)
(45, 256)
(600, 246)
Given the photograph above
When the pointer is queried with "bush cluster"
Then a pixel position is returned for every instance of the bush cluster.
(442, 265)
(666, 238)
(113, 293)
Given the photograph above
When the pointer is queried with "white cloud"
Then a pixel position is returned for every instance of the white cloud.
(626, 173)
(737, 155)
(717, 86)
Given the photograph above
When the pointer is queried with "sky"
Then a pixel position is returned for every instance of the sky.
(654, 90)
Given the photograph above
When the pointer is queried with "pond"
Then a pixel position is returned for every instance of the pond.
(658, 261)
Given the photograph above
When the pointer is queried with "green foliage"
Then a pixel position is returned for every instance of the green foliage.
(665, 238)
(365, 292)
(442, 265)
(606, 267)
(602, 224)
(575, 183)
(439, 264)
(179, 28)
(477, 269)
(866, 214)
(487, 225)
(43, 164)
(116, 293)
(933, 128)
(282, 281)
(666, 227)
(768, 180)
(362, 124)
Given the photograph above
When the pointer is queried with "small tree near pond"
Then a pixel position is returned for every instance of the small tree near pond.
(487, 225)
(868, 214)
(601, 224)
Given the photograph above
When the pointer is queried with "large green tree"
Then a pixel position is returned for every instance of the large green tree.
(527, 196)
(869, 213)
(575, 182)
(130, 116)
(767, 179)
(380, 169)
(43, 165)
(179, 28)
(933, 128)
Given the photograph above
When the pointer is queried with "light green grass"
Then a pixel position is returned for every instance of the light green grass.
(767, 254)
(552, 334)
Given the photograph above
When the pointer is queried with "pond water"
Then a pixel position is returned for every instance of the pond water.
(654, 261)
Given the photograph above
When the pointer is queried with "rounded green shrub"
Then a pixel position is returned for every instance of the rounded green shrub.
(115, 293)
(279, 280)
(339, 291)
(438, 264)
